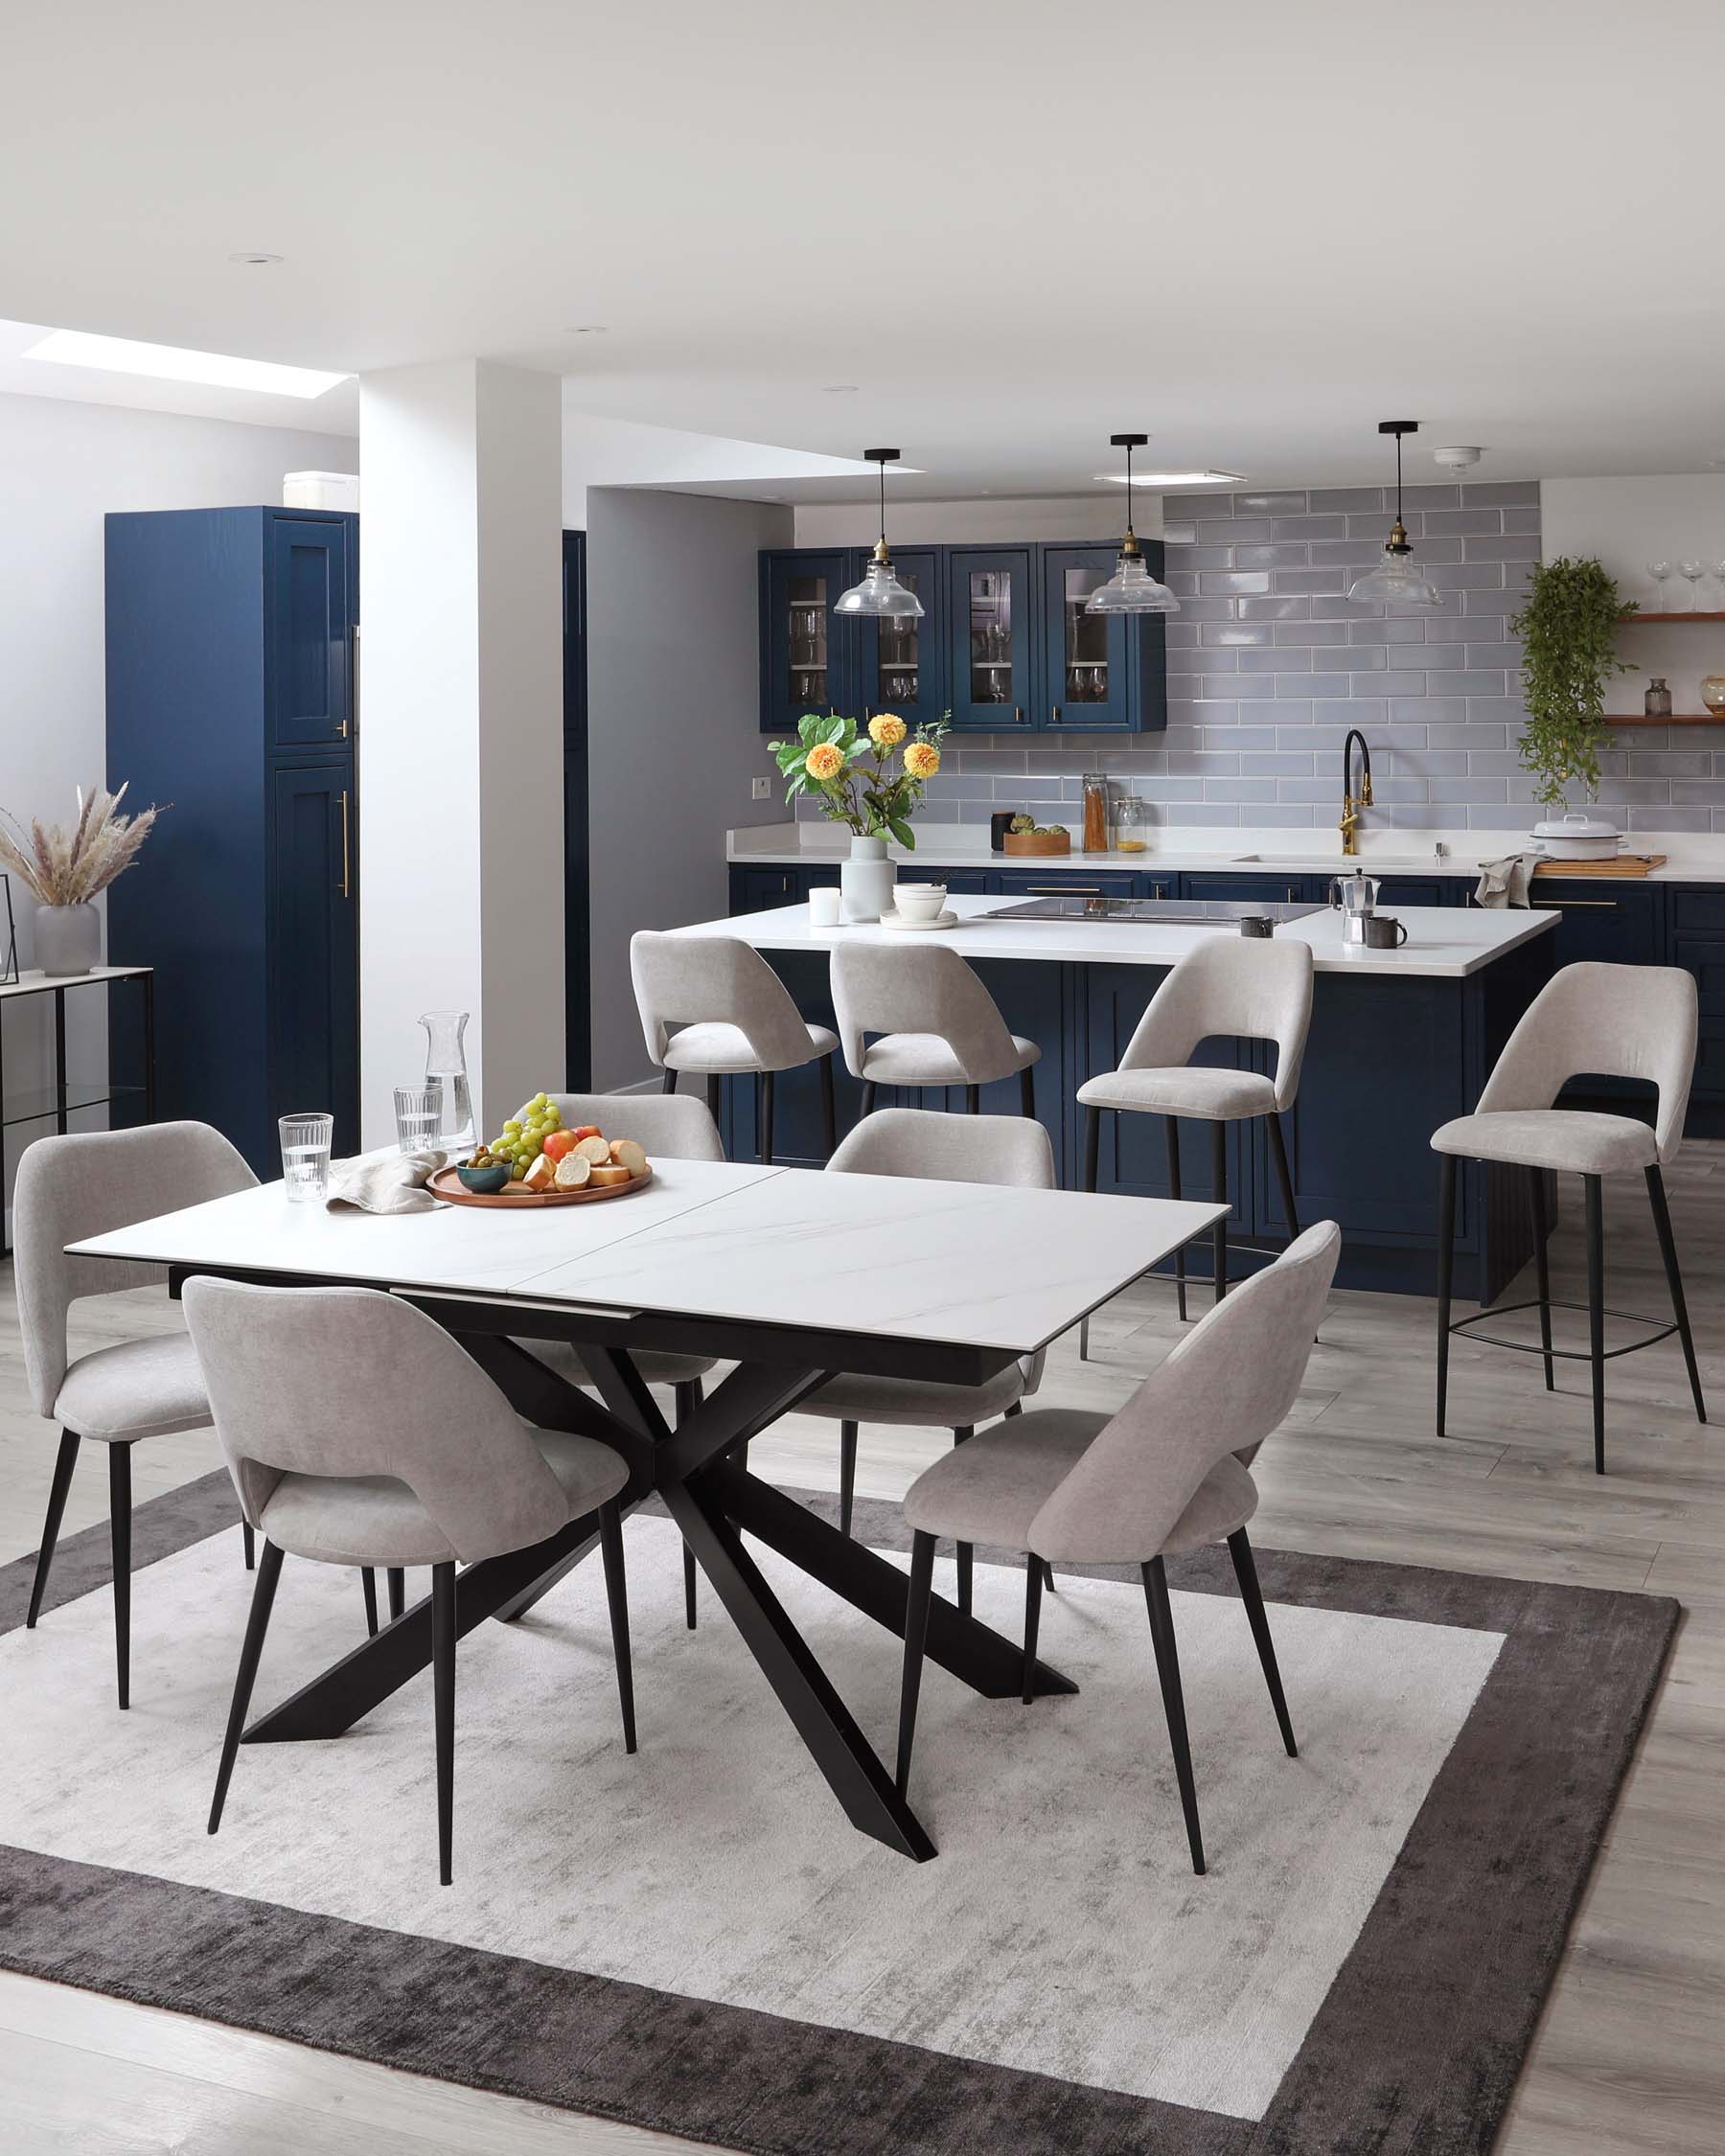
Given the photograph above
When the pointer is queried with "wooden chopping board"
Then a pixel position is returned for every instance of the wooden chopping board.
(1625, 865)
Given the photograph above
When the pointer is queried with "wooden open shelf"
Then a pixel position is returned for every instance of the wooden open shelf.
(1672, 719)
(1629, 621)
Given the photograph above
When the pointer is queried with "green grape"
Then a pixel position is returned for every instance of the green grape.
(541, 1100)
(512, 1128)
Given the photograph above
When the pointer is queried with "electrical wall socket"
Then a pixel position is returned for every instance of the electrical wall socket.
(762, 790)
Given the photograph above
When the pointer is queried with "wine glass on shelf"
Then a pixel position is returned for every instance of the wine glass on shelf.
(1659, 571)
(1693, 571)
(1718, 571)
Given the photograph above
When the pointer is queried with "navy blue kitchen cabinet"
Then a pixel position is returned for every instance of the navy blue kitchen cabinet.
(991, 623)
(1260, 888)
(230, 695)
(808, 657)
(901, 665)
(1696, 921)
(1099, 673)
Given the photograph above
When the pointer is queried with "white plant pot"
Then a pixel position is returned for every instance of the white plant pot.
(867, 881)
(68, 939)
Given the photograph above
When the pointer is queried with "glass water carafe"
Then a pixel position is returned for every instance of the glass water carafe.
(447, 1074)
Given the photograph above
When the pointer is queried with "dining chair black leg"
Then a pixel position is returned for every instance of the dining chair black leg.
(1047, 1575)
(1033, 1586)
(1278, 1157)
(249, 1547)
(687, 1397)
(973, 1100)
(715, 1097)
(251, 1649)
(616, 1593)
(1668, 1251)
(1219, 1190)
(120, 1531)
(916, 1638)
(670, 1084)
(868, 1099)
(1446, 1266)
(829, 1113)
(1026, 1091)
(394, 1578)
(1092, 1145)
(765, 1083)
(1542, 1269)
(1167, 1669)
(65, 1460)
(847, 1475)
(1244, 1566)
(1171, 1124)
(368, 1587)
(1594, 1194)
(442, 1695)
(964, 1551)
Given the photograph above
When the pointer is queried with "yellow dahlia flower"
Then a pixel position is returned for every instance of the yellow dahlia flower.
(826, 760)
(886, 729)
(922, 759)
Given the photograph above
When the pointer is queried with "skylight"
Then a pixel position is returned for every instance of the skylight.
(168, 362)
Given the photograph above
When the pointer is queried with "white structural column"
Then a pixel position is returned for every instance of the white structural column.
(461, 898)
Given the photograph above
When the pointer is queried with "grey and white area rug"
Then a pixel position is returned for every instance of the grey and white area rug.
(695, 1940)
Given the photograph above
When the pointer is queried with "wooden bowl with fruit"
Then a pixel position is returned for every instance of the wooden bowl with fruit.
(545, 1164)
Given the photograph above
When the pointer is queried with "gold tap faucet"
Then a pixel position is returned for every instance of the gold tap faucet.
(1351, 802)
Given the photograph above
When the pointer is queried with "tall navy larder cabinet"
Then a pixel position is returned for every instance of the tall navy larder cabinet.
(231, 661)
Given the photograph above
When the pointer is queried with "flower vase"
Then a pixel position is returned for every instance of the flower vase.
(867, 881)
(68, 939)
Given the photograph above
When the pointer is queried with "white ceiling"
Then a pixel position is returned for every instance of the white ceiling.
(1252, 230)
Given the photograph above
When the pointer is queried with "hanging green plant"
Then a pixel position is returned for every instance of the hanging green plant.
(1568, 630)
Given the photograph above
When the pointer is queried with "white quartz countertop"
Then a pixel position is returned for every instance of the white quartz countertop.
(1444, 943)
(1692, 859)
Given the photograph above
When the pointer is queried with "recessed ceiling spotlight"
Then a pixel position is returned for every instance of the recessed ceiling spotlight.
(587, 330)
(1173, 478)
(167, 362)
(1460, 456)
(838, 389)
(255, 260)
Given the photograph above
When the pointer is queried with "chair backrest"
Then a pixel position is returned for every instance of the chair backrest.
(1235, 987)
(696, 980)
(348, 1381)
(83, 1184)
(916, 988)
(675, 1126)
(1224, 1388)
(1618, 1021)
(916, 1141)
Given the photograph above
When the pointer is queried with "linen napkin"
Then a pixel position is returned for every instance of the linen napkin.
(1506, 882)
(392, 1184)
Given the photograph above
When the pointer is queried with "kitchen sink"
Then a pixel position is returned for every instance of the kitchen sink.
(1370, 864)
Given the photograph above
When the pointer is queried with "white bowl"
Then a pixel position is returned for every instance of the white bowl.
(920, 902)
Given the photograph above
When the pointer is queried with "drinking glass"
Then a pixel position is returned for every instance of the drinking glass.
(306, 1141)
(418, 1117)
(1718, 570)
(1693, 571)
(1659, 571)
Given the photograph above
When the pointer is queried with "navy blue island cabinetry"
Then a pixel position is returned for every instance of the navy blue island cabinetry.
(230, 695)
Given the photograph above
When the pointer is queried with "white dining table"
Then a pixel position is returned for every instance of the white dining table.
(789, 1275)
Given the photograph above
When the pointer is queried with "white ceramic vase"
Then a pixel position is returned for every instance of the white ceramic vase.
(68, 939)
(867, 881)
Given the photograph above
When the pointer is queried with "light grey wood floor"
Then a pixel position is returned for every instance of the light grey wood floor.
(1631, 2054)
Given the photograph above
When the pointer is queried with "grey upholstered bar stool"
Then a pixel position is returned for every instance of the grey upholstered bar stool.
(80, 1185)
(912, 1141)
(713, 1005)
(1596, 1020)
(1224, 988)
(357, 1431)
(1170, 1472)
(937, 1024)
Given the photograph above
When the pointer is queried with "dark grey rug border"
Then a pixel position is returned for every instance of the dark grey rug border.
(1412, 2053)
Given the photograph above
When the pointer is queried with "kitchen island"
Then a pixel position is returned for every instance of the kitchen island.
(1401, 1041)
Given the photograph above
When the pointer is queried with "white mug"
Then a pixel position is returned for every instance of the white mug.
(824, 903)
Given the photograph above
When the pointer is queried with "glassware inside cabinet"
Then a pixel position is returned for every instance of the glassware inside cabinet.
(991, 636)
(1086, 638)
(806, 643)
(899, 652)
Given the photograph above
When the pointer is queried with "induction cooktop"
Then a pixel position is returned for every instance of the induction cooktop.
(1191, 913)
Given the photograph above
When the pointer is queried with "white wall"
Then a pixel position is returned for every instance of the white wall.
(1100, 516)
(62, 467)
(673, 724)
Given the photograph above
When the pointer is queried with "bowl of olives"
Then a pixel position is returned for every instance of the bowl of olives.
(484, 1174)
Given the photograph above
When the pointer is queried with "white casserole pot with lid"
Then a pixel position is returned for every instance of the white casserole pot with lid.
(1577, 837)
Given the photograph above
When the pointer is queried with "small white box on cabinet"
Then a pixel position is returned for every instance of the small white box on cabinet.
(320, 489)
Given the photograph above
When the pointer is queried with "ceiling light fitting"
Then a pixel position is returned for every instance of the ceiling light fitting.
(1172, 478)
(1395, 582)
(1132, 589)
(167, 362)
(880, 593)
(1459, 456)
(253, 261)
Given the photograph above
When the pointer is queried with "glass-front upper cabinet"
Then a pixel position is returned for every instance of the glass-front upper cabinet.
(1097, 668)
(902, 664)
(806, 654)
(989, 605)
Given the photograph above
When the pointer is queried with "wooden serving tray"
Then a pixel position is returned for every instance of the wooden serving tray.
(1622, 864)
(1045, 844)
(446, 1185)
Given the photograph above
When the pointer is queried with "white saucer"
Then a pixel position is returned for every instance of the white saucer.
(946, 920)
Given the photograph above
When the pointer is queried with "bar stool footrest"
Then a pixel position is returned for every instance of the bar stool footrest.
(1659, 1331)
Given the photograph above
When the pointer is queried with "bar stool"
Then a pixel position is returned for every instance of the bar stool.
(713, 1005)
(1231, 988)
(1616, 1022)
(938, 1025)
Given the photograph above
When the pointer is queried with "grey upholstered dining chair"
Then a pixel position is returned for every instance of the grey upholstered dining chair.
(69, 1188)
(1169, 1472)
(937, 1024)
(357, 1431)
(914, 1142)
(713, 1005)
(1227, 988)
(1595, 1021)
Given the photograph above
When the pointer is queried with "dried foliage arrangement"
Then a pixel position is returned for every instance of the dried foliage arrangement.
(64, 868)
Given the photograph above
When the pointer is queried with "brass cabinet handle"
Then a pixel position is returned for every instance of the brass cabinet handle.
(1018, 715)
(346, 878)
(1054, 715)
(346, 727)
(1065, 890)
(1610, 904)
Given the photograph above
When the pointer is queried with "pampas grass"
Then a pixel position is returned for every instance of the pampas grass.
(63, 867)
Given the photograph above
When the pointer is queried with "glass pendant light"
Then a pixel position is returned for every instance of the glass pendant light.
(1132, 589)
(1395, 582)
(880, 593)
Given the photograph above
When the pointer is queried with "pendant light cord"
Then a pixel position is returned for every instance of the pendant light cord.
(884, 492)
(1130, 533)
(1398, 480)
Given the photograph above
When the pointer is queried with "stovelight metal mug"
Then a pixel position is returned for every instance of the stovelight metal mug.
(1256, 925)
(1383, 931)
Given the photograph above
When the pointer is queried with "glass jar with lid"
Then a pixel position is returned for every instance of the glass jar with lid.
(1131, 825)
